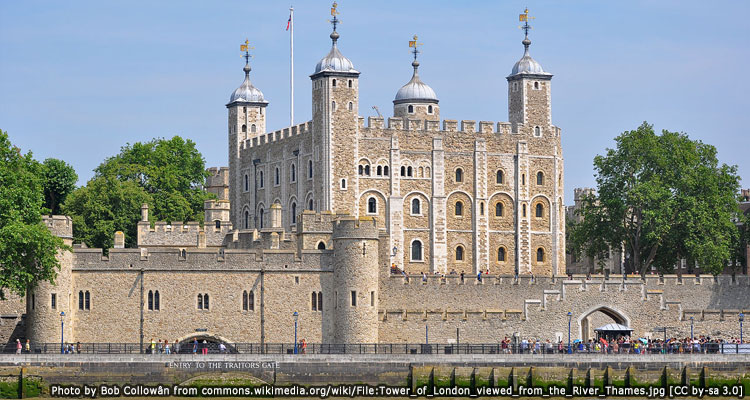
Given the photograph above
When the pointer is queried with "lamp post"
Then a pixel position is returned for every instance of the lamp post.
(742, 318)
(295, 315)
(692, 346)
(62, 332)
(570, 317)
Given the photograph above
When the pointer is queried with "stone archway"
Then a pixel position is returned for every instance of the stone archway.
(187, 342)
(584, 322)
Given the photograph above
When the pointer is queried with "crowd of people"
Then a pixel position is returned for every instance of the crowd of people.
(621, 345)
(163, 347)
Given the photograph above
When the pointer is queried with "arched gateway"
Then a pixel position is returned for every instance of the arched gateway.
(585, 325)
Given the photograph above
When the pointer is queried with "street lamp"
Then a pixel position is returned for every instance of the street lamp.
(742, 318)
(570, 317)
(692, 346)
(295, 315)
(62, 332)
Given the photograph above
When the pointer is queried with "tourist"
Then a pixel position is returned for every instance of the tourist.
(166, 346)
(479, 276)
(176, 347)
(222, 348)
(424, 277)
(28, 346)
(78, 347)
(153, 346)
(195, 346)
(205, 347)
(18, 346)
(304, 346)
(462, 276)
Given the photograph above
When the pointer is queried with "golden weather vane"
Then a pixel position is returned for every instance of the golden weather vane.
(413, 43)
(525, 19)
(334, 12)
(246, 48)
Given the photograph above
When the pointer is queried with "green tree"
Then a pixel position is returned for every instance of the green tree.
(665, 197)
(28, 250)
(103, 206)
(59, 180)
(172, 171)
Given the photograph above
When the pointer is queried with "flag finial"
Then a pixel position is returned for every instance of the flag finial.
(334, 21)
(525, 27)
(246, 48)
(413, 43)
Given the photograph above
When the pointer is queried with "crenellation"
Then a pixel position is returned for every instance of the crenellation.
(450, 125)
(396, 123)
(486, 127)
(468, 126)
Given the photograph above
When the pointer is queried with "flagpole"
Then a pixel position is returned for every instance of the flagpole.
(291, 66)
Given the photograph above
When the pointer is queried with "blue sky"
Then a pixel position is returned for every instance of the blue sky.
(80, 79)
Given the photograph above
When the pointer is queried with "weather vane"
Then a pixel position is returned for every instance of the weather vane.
(414, 44)
(334, 12)
(525, 19)
(246, 48)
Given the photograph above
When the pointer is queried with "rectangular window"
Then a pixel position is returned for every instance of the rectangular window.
(54, 301)
(372, 299)
(354, 298)
(33, 301)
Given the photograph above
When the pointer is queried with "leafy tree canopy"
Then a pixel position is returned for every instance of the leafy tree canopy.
(28, 249)
(172, 171)
(103, 206)
(664, 197)
(58, 179)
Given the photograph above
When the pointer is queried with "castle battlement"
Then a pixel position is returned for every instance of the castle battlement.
(448, 126)
(278, 135)
(59, 225)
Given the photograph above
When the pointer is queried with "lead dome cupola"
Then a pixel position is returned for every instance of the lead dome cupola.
(334, 61)
(415, 90)
(247, 93)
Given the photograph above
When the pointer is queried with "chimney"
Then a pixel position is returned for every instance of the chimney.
(119, 240)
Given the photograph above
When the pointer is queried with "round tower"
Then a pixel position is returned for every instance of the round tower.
(46, 301)
(355, 276)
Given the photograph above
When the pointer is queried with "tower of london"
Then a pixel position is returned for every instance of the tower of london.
(368, 231)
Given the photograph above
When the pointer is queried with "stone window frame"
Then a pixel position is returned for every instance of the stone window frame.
(342, 185)
(292, 172)
(459, 250)
(353, 302)
(261, 181)
(333, 105)
(421, 251)
(419, 207)
(84, 300)
(502, 209)
(537, 131)
(500, 173)
(372, 200)
(309, 169)
(543, 254)
(293, 212)
(321, 243)
(515, 86)
(350, 106)
(243, 128)
(53, 301)
(458, 175)
(253, 128)
(504, 252)
(372, 298)
(204, 302)
(410, 109)
(540, 177)
(277, 177)
(536, 85)
(429, 109)
(458, 209)
(539, 210)
(247, 183)
(351, 83)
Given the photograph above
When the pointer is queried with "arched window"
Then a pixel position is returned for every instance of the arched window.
(343, 183)
(247, 183)
(309, 169)
(459, 253)
(333, 105)
(244, 128)
(320, 301)
(481, 208)
(260, 179)
(244, 300)
(367, 170)
(260, 217)
(310, 205)
(361, 170)
(499, 209)
(411, 109)
(540, 255)
(429, 109)
(293, 174)
(403, 171)
(200, 301)
(350, 83)
(351, 106)
(205, 301)
(251, 301)
(372, 206)
(244, 109)
(247, 220)
(459, 208)
(156, 301)
(459, 175)
(540, 178)
(183, 253)
(80, 300)
(276, 176)
(333, 83)
(321, 246)
(88, 300)
(408, 171)
(539, 210)
(420, 172)
(524, 210)
(314, 301)
(416, 250)
(150, 300)
(536, 85)
(252, 128)
(523, 179)
(380, 170)
(501, 254)
(385, 170)
(415, 207)
(293, 210)
(217, 224)
(499, 177)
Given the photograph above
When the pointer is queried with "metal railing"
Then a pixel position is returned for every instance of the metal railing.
(387, 348)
